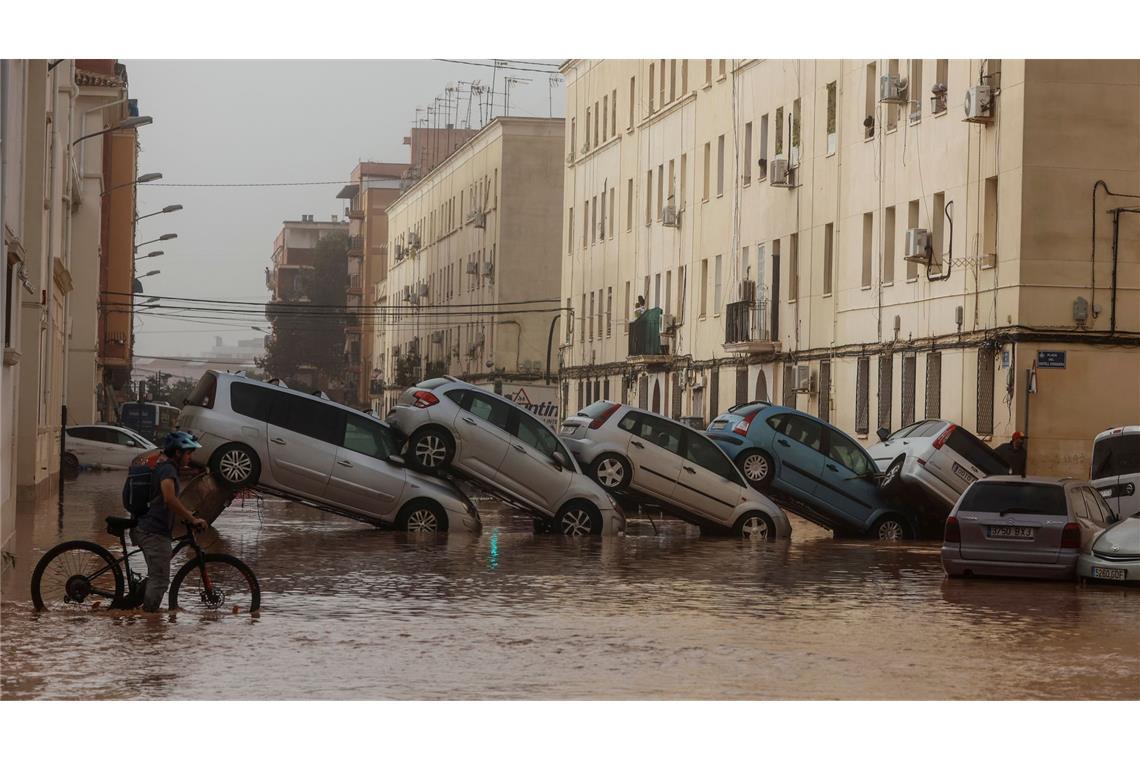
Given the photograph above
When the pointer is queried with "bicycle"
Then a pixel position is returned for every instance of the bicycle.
(87, 575)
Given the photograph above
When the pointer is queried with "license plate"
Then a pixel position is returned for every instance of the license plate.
(1010, 531)
(1109, 573)
(568, 430)
(718, 425)
(963, 473)
(1106, 492)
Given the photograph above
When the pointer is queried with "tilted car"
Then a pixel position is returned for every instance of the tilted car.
(831, 479)
(1115, 470)
(106, 446)
(455, 426)
(256, 434)
(625, 448)
(1020, 526)
(1115, 554)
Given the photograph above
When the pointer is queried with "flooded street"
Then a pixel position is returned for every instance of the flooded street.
(351, 612)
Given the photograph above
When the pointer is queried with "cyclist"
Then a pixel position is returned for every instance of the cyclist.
(154, 531)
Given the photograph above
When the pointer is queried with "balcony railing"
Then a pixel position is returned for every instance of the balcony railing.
(645, 334)
(746, 325)
(356, 243)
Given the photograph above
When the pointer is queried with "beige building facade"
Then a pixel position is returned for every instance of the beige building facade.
(845, 237)
(473, 283)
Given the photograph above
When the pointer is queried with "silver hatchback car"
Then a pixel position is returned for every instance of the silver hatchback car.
(626, 448)
(255, 434)
(1025, 527)
(453, 425)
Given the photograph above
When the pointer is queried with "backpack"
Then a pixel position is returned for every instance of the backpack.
(138, 490)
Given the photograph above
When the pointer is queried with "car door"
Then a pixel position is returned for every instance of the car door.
(362, 478)
(121, 450)
(709, 482)
(304, 435)
(530, 466)
(655, 453)
(847, 481)
(797, 447)
(81, 442)
(480, 428)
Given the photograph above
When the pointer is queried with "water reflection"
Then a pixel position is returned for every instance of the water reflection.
(352, 612)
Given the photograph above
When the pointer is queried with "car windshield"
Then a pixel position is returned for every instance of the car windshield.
(1005, 496)
(1116, 456)
(593, 410)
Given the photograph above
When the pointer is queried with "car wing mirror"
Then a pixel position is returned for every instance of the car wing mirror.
(396, 459)
(883, 433)
(560, 460)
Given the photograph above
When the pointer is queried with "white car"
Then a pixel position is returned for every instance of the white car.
(1115, 554)
(938, 457)
(625, 448)
(106, 446)
(1115, 468)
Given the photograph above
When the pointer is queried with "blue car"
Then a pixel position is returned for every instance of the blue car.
(830, 478)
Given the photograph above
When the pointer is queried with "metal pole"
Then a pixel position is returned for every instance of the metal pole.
(549, 345)
(62, 448)
(1028, 395)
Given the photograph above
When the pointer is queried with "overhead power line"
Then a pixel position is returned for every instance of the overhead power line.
(299, 306)
(495, 66)
(245, 184)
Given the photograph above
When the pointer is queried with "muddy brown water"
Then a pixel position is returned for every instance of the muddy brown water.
(351, 612)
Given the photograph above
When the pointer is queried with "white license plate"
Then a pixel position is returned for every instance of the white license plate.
(1109, 573)
(1106, 492)
(963, 473)
(568, 430)
(718, 425)
(1010, 531)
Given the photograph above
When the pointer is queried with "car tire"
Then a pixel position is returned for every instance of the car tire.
(891, 528)
(70, 466)
(578, 519)
(612, 472)
(892, 478)
(755, 526)
(236, 465)
(430, 449)
(422, 517)
(757, 467)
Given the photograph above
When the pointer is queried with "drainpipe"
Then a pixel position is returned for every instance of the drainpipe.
(549, 345)
(1116, 212)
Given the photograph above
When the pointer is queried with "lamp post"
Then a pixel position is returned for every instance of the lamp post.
(144, 178)
(167, 236)
(150, 255)
(165, 210)
(134, 121)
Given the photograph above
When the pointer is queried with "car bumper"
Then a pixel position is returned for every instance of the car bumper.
(953, 564)
(1088, 566)
(917, 475)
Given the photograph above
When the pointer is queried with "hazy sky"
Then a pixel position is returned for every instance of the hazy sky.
(268, 121)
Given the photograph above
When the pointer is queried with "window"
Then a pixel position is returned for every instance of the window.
(763, 165)
(573, 143)
(912, 223)
(986, 358)
(672, 79)
(649, 196)
(585, 224)
(914, 91)
(251, 400)
(487, 408)
(659, 432)
(795, 129)
(788, 392)
(721, 68)
(824, 391)
(660, 188)
(720, 166)
(671, 196)
(862, 378)
(309, 418)
(717, 286)
(568, 316)
(908, 379)
(869, 103)
(368, 438)
(591, 315)
(627, 312)
(605, 115)
(1031, 498)
(681, 283)
(651, 80)
(582, 318)
(536, 435)
(705, 454)
(802, 430)
(892, 109)
(10, 299)
(779, 132)
(828, 257)
(596, 130)
(657, 291)
(708, 157)
(748, 153)
(632, 99)
(936, 227)
(832, 103)
(886, 389)
(704, 286)
(888, 274)
(742, 385)
(933, 385)
(570, 231)
(844, 451)
(793, 267)
(990, 223)
(708, 70)
(684, 172)
(613, 113)
(1115, 456)
(868, 244)
(685, 76)
(609, 310)
(964, 443)
(594, 221)
(661, 94)
(586, 147)
(942, 83)
(629, 205)
(613, 203)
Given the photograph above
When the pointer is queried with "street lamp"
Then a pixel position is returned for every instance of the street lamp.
(165, 210)
(148, 274)
(144, 178)
(150, 255)
(136, 286)
(134, 121)
(167, 236)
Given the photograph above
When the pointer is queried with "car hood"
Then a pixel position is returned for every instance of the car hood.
(1125, 536)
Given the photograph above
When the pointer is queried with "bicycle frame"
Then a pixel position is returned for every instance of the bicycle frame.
(134, 581)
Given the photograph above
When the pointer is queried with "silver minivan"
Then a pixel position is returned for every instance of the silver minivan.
(256, 434)
(1115, 470)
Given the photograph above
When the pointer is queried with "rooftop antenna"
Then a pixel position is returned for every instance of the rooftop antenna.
(510, 82)
(553, 82)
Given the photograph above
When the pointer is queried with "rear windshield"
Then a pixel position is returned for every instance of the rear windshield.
(1115, 456)
(595, 409)
(435, 382)
(1026, 498)
(977, 453)
(203, 394)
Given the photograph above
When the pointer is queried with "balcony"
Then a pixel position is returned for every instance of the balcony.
(354, 285)
(746, 328)
(355, 244)
(376, 386)
(645, 340)
(354, 212)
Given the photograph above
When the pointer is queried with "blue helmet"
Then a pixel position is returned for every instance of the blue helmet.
(180, 440)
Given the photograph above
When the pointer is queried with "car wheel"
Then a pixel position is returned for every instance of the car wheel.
(612, 472)
(757, 468)
(70, 466)
(891, 528)
(422, 517)
(431, 449)
(578, 519)
(236, 465)
(756, 526)
(892, 478)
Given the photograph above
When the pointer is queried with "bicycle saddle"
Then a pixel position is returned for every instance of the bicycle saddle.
(117, 526)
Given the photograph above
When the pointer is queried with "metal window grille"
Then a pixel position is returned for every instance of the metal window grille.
(788, 397)
(825, 391)
(643, 392)
(933, 385)
(886, 388)
(742, 384)
(676, 401)
(581, 395)
(908, 377)
(714, 391)
(606, 389)
(862, 379)
(597, 391)
(565, 398)
(985, 391)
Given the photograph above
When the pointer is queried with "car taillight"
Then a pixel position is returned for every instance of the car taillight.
(941, 439)
(741, 428)
(1071, 536)
(953, 534)
(424, 399)
(600, 420)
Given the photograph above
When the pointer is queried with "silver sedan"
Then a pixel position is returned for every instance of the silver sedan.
(1115, 554)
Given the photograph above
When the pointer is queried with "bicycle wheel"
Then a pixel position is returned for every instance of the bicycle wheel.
(79, 574)
(215, 582)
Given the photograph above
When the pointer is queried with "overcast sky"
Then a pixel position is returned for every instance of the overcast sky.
(268, 121)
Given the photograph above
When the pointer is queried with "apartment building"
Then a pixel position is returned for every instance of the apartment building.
(473, 282)
(874, 242)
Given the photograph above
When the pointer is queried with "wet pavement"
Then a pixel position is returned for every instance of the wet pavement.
(351, 612)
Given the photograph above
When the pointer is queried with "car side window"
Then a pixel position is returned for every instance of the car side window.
(1081, 505)
(456, 395)
(309, 418)
(498, 413)
(848, 453)
(661, 433)
(776, 422)
(102, 435)
(365, 437)
(251, 400)
(536, 435)
(1096, 514)
(704, 453)
(80, 432)
(629, 421)
(803, 430)
(123, 439)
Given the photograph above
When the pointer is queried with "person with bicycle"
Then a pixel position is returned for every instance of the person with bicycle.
(154, 531)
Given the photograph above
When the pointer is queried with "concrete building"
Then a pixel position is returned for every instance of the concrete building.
(477, 234)
(431, 146)
(778, 213)
(294, 251)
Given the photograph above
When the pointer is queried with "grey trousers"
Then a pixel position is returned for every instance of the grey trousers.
(156, 550)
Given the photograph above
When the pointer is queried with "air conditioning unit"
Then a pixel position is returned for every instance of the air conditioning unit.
(892, 89)
(918, 248)
(413, 241)
(780, 173)
(472, 267)
(748, 291)
(488, 269)
(670, 217)
(422, 290)
(805, 379)
(979, 104)
(480, 220)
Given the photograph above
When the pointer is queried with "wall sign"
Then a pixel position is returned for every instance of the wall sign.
(1051, 359)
